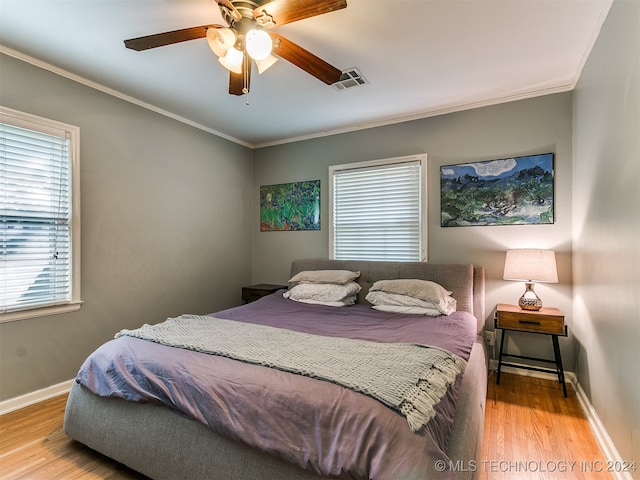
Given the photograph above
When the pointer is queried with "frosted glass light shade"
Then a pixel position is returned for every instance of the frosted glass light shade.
(264, 64)
(259, 44)
(220, 40)
(232, 60)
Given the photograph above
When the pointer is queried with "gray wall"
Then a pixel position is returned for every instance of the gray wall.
(166, 212)
(606, 219)
(537, 125)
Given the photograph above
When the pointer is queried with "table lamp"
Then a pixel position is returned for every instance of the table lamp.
(530, 266)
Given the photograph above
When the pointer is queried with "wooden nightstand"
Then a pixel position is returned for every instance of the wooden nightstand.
(254, 292)
(547, 321)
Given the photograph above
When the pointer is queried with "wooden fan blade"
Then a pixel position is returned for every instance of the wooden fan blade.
(305, 60)
(168, 38)
(237, 85)
(282, 12)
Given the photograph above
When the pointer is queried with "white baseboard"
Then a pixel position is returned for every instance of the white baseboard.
(22, 401)
(600, 432)
(569, 376)
(604, 440)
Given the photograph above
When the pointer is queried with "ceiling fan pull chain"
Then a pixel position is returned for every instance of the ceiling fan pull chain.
(245, 90)
(246, 72)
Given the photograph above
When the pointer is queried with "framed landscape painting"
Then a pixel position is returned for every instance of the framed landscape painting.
(510, 191)
(290, 206)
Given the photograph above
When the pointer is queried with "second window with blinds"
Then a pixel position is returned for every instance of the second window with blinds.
(378, 210)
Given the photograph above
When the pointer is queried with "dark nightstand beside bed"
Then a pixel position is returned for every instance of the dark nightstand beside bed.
(254, 292)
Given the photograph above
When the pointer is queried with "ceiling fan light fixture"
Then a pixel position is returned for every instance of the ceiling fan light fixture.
(265, 63)
(232, 60)
(220, 40)
(259, 44)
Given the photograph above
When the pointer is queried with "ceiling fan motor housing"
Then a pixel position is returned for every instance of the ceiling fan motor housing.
(244, 7)
(246, 23)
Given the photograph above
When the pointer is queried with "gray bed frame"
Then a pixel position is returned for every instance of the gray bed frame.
(161, 444)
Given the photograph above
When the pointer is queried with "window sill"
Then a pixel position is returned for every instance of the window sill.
(40, 312)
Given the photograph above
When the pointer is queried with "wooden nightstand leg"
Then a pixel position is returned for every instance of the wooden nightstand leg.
(502, 337)
(559, 369)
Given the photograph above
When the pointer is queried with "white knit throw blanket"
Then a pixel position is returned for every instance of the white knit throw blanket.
(408, 378)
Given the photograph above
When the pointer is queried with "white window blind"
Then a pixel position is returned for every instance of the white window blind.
(36, 230)
(377, 211)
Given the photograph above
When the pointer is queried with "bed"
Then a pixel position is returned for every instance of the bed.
(165, 433)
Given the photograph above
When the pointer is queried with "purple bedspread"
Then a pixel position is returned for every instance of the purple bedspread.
(317, 425)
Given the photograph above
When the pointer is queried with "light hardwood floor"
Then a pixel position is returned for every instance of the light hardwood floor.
(531, 432)
(33, 447)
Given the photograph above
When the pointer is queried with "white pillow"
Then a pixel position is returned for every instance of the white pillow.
(432, 312)
(324, 276)
(444, 306)
(423, 289)
(384, 298)
(323, 292)
(342, 303)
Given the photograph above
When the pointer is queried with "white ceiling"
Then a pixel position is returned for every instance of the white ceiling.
(420, 57)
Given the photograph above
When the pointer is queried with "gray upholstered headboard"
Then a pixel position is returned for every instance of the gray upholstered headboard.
(465, 281)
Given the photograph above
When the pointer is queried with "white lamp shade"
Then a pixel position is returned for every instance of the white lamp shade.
(259, 44)
(232, 60)
(265, 63)
(531, 265)
(220, 40)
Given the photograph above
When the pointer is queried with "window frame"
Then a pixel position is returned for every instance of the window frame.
(421, 158)
(45, 125)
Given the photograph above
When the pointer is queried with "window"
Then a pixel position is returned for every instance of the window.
(39, 215)
(377, 210)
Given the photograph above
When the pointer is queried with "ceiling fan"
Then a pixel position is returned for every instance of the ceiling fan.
(245, 39)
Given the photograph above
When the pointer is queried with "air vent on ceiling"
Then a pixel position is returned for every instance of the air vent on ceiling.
(350, 78)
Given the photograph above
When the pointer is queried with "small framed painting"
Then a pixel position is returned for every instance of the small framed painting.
(290, 206)
(510, 191)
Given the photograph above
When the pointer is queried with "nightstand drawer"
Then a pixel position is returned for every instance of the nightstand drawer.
(546, 320)
(515, 321)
